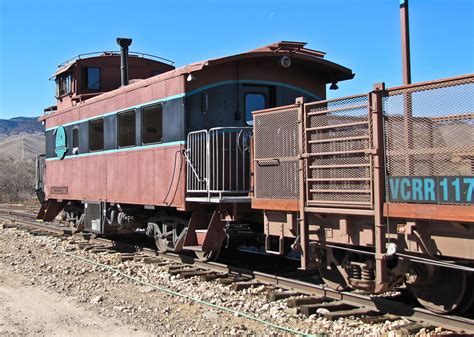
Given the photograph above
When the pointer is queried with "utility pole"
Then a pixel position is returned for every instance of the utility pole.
(405, 31)
(406, 74)
(22, 147)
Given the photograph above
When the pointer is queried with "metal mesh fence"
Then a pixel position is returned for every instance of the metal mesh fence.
(276, 154)
(339, 165)
(429, 133)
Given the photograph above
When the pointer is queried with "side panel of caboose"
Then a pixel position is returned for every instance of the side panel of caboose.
(142, 174)
(217, 96)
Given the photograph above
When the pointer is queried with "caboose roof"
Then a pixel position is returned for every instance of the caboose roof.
(296, 50)
(293, 49)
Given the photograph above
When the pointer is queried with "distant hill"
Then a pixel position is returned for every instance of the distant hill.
(23, 146)
(21, 139)
(19, 125)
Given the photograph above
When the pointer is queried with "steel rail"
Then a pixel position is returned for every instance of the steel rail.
(376, 303)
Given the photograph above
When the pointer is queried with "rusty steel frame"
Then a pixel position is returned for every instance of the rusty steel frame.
(376, 115)
(332, 203)
(303, 224)
(376, 151)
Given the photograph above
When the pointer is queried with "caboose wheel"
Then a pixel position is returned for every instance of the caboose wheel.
(169, 234)
(208, 256)
(450, 292)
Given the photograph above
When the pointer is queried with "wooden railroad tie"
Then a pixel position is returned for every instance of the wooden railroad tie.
(238, 286)
(182, 270)
(189, 274)
(148, 259)
(310, 309)
(102, 249)
(297, 302)
(333, 315)
(232, 279)
(212, 277)
(128, 256)
(379, 318)
(273, 296)
(171, 267)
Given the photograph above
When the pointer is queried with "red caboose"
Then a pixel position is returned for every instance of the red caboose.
(171, 150)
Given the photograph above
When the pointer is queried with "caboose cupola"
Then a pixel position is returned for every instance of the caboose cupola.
(92, 74)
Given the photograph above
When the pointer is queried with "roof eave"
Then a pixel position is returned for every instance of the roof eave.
(338, 72)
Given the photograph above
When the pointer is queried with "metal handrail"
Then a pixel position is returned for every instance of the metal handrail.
(133, 53)
(225, 165)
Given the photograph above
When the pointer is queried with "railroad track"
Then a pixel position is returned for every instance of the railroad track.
(305, 297)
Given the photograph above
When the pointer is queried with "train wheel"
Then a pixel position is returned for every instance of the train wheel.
(468, 302)
(450, 292)
(332, 277)
(328, 262)
(208, 256)
(169, 234)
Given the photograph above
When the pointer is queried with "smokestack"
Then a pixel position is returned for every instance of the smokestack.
(124, 43)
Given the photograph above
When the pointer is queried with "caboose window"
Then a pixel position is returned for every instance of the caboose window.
(152, 127)
(126, 129)
(63, 84)
(75, 140)
(96, 135)
(90, 78)
(253, 102)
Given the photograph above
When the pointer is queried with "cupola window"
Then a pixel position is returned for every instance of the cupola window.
(90, 78)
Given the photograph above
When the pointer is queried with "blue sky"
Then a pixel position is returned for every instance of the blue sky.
(364, 35)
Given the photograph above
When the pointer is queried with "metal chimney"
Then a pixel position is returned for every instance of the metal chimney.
(124, 43)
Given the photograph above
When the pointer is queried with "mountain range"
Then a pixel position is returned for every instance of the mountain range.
(18, 125)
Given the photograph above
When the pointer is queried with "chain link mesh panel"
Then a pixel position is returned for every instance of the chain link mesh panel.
(276, 154)
(339, 165)
(429, 133)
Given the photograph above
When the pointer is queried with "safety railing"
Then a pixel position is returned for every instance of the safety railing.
(39, 179)
(40, 168)
(218, 162)
(429, 132)
(338, 145)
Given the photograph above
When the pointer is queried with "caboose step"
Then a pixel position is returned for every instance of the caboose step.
(193, 248)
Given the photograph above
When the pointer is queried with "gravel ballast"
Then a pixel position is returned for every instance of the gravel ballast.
(106, 291)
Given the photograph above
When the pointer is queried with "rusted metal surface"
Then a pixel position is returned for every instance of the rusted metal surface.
(302, 223)
(338, 152)
(276, 147)
(429, 137)
(171, 82)
(277, 204)
(136, 177)
(429, 212)
(121, 98)
(378, 162)
(140, 68)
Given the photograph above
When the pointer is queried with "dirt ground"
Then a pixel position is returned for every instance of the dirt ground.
(43, 293)
(28, 310)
